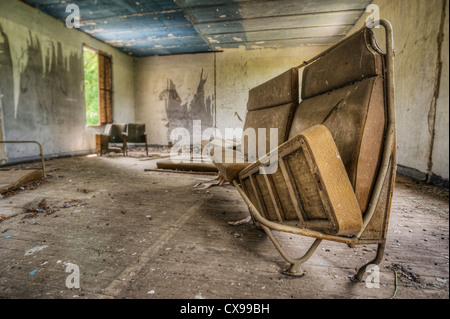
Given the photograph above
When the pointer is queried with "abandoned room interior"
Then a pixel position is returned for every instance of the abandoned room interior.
(217, 149)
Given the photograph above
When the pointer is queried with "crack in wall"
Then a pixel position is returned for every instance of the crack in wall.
(5, 90)
(436, 91)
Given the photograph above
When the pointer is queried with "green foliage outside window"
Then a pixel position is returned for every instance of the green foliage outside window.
(91, 87)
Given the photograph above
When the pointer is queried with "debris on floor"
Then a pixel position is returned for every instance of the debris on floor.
(43, 208)
(406, 275)
(242, 221)
(204, 185)
(35, 249)
(27, 187)
(73, 203)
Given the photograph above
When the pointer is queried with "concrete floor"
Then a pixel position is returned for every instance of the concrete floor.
(136, 234)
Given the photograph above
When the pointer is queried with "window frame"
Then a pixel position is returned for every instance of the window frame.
(104, 85)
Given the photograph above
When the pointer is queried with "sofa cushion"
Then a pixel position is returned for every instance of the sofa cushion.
(270, 105)
(279, 117)
(280, 90)
(319, 189)
(355, 59)
(356, 118)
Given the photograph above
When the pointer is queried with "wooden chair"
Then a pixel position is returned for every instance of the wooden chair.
(135, 133)
(112, 139)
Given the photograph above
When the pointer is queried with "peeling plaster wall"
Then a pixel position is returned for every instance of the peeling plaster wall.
(231, 74)
(41, 84)
(172, 91)
(422, 118)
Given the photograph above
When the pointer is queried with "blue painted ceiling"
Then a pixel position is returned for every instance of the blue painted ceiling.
(161, 27)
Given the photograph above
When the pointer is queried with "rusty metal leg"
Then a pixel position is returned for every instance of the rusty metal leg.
(41, 153)
(376, 261)
(295, 269)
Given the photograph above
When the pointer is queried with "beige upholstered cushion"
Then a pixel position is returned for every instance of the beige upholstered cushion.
(356, 118)
(353, 60)
(279, 117)
(318, 181)
(282, 89)
(270, 105)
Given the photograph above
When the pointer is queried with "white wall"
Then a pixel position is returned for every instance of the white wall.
(441, 139)
(42, 83)
(422, 120)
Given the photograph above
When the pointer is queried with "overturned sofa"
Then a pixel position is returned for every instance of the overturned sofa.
(336, 152)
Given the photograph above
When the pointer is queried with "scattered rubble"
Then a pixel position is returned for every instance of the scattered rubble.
(406, 275)
(73, 203)
(43, 208)
(30, 186)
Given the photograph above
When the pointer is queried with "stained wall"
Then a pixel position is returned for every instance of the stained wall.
(42, 84)
(421, 84)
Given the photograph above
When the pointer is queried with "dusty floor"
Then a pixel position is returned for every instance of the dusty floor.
(137, 234)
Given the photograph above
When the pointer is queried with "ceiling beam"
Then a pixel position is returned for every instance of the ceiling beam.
(191, 18)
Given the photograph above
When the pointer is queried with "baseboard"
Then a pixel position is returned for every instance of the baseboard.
(35, 158)
(439, 181)
(423, 177)
(412, 172)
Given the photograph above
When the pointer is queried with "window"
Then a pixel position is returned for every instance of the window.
(97, 87)
(90, 60)
(105, 86)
